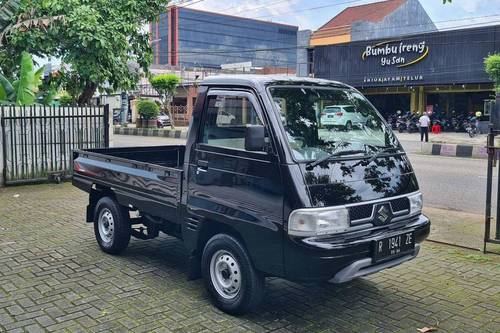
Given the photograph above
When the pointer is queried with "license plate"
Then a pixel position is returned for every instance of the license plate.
(394, 246)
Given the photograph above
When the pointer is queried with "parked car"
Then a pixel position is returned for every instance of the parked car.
(345, 116)
(163, 120)
(262, 197)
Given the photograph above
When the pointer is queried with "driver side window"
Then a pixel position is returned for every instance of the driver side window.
(226, 120)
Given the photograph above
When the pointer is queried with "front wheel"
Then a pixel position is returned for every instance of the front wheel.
(234, 285)
(111, 226)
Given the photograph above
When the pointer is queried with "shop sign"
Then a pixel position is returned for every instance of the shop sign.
(393, 78)
(397, 53)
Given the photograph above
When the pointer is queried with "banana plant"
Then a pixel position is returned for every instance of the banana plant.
(22, 91)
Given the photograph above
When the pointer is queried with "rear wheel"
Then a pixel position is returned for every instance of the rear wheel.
(233, 283)
(111, 226)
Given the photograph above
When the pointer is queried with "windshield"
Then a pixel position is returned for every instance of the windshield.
(320, 122)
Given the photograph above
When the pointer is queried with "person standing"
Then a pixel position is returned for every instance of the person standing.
(424, 122)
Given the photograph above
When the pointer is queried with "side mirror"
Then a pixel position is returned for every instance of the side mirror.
(255, 138)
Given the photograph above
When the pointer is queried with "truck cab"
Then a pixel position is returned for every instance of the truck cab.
(264, 188)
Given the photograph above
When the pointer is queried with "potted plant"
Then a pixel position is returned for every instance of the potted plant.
(148, 111)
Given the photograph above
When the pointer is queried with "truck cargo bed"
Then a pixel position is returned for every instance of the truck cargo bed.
(147, 178)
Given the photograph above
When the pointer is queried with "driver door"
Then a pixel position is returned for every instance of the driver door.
(230, 185)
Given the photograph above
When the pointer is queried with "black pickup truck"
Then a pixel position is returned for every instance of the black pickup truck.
(290, 177)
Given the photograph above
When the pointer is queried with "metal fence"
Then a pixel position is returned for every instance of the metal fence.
(181, 115)
(38, 141)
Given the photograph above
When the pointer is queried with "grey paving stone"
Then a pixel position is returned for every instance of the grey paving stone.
(55, 278)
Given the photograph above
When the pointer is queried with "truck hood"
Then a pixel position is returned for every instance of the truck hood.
(342, 182)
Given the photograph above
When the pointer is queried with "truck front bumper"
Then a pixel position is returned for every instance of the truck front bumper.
(339, 261)
(365, 266)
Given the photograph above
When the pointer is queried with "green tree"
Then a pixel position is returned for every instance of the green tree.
(16, 17)
(102, 41)
(166, 86)
(13, 18)
(492, 67)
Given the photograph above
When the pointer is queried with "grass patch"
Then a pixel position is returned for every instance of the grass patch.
(478, 258)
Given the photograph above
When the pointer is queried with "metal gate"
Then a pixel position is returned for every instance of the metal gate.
(37, 141)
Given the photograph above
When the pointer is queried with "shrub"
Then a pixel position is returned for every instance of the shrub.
(492, 67)
(66, 99)
(148, 109)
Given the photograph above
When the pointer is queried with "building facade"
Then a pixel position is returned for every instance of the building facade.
(442, 70)
(303, 61)
(373, 21)
(192, 38)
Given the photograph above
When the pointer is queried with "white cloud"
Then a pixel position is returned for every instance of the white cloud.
(291, 11)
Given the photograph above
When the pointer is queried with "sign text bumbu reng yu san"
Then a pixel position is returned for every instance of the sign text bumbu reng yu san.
(397, 53)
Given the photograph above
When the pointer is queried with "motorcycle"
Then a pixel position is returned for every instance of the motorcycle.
(412, 124)
(401, 125)
(471, 127)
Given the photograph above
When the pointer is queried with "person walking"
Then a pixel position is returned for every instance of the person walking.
(424, 122)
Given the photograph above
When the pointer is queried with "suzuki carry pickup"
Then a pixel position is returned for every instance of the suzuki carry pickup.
(263, 188)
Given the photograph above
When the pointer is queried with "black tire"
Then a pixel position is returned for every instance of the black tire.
(252, 284)
(119, 225)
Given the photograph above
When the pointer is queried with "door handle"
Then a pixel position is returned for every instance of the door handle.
(202, 165)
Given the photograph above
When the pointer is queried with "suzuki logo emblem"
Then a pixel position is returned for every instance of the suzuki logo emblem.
(383, 214)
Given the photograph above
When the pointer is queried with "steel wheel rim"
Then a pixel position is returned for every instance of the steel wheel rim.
(106, 225)
(225, 274)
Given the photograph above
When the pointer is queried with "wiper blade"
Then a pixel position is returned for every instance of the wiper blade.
(335, 154)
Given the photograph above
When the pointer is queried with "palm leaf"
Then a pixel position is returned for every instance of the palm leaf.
(25, 87)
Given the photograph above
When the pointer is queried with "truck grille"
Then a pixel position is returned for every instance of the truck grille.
(400, 204)
(360, 212)
(364, 211)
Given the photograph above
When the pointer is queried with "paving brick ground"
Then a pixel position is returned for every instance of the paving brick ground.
(53, 277)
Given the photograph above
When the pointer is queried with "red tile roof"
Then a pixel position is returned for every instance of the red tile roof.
(373, 12)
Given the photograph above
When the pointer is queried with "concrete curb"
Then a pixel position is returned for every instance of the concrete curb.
(454, 150)
(166, 133)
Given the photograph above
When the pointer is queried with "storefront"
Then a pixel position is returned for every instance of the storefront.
(442, 71)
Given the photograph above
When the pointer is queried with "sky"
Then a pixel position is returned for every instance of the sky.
(311, 14)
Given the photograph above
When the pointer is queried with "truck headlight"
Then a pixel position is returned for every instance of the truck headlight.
(318, 221)
(416, 203)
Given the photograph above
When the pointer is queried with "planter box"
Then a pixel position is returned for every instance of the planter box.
(145, 123)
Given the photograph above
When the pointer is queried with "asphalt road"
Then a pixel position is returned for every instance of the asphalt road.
(457, 184)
